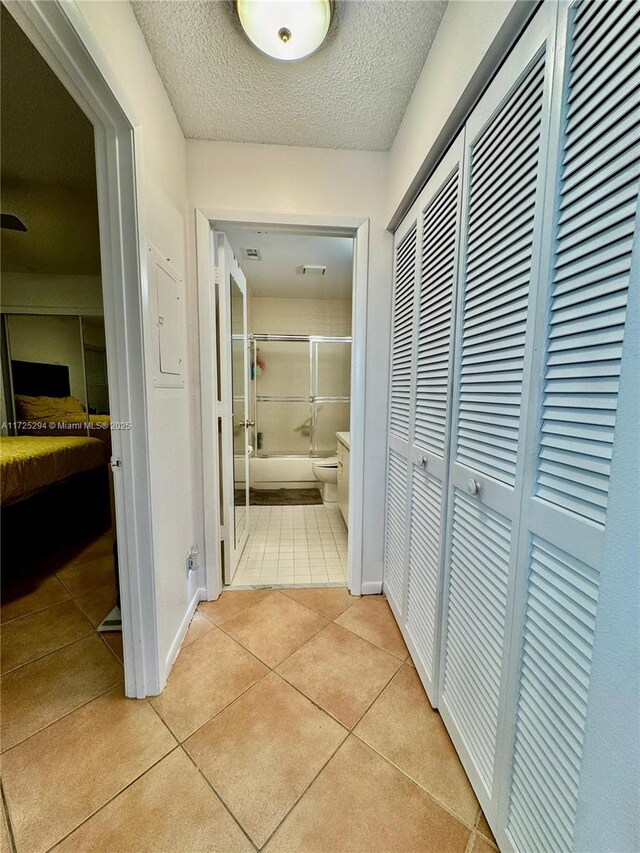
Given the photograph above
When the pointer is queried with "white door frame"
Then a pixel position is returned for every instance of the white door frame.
(358, 229)
(232, 272)
(60, 33)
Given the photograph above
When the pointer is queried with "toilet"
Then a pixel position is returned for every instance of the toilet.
(326, 470)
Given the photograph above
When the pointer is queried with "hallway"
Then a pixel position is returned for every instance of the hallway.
(293, 720)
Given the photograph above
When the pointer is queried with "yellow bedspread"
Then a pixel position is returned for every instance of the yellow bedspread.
(28, 464)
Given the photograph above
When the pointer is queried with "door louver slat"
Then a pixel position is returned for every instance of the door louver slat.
(424, 565)
(440, 227)
(591, 271)
(481, 541)
(552, 704)
(396, 524)
(497, 273)
(401, 340)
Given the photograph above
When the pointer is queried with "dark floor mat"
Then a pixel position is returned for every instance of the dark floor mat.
(282, 497)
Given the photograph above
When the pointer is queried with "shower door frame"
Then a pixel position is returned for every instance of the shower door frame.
(357, 228)
(312, 397)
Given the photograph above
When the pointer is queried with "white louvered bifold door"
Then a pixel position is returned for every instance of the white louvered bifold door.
(439, 226)
(505, 154)
(593, 201)
(400, 394)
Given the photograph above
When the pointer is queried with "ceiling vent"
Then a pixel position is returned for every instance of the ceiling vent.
(311, 269)
(251, 254)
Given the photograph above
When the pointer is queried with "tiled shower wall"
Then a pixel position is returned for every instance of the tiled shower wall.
(300, 316)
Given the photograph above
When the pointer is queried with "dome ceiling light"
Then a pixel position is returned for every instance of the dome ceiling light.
(287, 30)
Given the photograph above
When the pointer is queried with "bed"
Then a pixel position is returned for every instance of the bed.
(29, 464)
(59, 416)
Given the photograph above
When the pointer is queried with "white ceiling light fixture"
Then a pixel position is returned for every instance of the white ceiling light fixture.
(287, 30)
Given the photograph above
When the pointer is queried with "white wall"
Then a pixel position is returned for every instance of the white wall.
(300, 316)
(35, 293)
(465, 33)
(161, 172)
(317, 182)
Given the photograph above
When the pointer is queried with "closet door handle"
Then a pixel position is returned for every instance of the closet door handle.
(473, 487)
(422, 461)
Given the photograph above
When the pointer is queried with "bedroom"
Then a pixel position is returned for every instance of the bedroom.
(59, 580)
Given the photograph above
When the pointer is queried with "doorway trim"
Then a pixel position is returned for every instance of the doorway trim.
(327, 226)
(62, 36)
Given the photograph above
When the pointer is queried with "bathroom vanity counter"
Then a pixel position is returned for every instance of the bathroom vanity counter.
(344, 447)
(344, 438)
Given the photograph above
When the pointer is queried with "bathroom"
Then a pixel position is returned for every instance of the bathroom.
(298, 307)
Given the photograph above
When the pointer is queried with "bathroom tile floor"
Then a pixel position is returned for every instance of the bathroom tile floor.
(293, 721)
(294, 545)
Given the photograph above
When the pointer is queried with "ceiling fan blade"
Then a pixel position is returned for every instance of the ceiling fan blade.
(11, 222)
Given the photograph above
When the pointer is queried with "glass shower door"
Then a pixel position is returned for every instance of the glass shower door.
(282, 395)
(330, 393)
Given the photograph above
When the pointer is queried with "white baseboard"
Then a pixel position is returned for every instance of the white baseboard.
(200, 595)
(371, 588)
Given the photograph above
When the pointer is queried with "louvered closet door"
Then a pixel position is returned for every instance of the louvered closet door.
(400, 394)
(439, 226)
(505, 152)
(594, 204)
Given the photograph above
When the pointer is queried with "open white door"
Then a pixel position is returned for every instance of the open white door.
(234, 402)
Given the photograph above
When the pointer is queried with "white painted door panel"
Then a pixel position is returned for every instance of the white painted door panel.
(505, 155)
(400, 397)
(434, 310)
(234, 400)
(594, 181)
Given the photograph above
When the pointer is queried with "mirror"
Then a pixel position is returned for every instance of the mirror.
(240, 413)
(47, 372)
(95, 365)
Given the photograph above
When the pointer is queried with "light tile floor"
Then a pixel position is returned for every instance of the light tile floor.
(294, 545)
(293, 721)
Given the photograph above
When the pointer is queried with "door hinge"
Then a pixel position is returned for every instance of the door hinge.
(115, 462)
(221, 533)
(216, 276)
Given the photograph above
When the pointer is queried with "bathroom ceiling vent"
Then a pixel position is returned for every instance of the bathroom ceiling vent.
(252, 254)
(311, 269)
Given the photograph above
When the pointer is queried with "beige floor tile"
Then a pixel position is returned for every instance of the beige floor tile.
(371, 618)
(246, 752)
(41, 692)
(60, 776)
(402, 726)
(168, 810)
(88, 576)
(98, 603)
(114, 640)
(230, 603)
(33, 636)
(274, 628)
(199, 626)
(360, 804)
(328, 602)
(340, 671)
(100, 547)
(483, 827)
(5, 836)
(209, 674)
(481, 845)
(27, 594)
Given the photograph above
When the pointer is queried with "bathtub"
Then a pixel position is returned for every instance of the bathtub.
(281, 472)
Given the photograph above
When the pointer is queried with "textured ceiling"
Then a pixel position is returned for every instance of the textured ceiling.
(48, 166)
(278, 273)
(351, 94)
